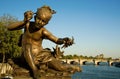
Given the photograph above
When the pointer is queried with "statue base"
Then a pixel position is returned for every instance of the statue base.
(44, 77)
(49, 74)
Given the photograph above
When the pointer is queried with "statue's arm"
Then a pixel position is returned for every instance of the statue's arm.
(16, 25)
(19, 25)
(65, 41)
(50, 36)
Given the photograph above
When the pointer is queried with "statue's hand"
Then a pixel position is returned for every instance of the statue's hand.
(68, 42)
(28, 15)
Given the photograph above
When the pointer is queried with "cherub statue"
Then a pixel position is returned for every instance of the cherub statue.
(31, 41)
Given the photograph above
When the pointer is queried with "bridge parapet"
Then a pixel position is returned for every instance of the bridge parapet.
(83, 61)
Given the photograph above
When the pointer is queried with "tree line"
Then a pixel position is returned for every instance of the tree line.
(75, 56)
(9, 39)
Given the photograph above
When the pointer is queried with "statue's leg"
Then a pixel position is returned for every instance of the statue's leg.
(57, 65)
(29, 59)
(45, 57)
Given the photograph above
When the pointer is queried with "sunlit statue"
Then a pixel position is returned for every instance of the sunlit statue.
(39, 59)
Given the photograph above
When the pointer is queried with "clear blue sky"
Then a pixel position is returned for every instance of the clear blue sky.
(94, 24)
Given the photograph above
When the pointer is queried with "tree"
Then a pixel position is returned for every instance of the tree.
(75, 56)
(91, 57)
(67, 57)
(101, 55)
(9, 39)
(81, 56)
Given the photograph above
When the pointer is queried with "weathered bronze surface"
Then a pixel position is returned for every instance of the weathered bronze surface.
(45, 77)
(41, 62)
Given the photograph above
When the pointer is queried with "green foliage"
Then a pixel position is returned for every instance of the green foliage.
(75, 56)
(9, 39)
(69, 57)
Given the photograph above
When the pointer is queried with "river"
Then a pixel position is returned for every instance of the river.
(98, 72)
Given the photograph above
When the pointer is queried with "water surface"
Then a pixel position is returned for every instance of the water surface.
(98, 72)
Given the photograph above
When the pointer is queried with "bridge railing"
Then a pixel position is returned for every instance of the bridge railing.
(83, 61)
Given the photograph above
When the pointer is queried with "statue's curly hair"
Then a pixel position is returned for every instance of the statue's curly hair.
(45, 11)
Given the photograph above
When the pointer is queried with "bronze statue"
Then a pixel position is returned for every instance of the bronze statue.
(35, 55)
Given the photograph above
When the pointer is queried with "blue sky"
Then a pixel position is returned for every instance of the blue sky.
(94, 24)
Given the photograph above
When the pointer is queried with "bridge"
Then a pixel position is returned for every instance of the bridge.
(94, 61)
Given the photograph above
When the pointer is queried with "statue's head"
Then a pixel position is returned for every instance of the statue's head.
(43, 15)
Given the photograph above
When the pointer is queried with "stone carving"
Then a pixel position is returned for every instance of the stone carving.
(37, 60)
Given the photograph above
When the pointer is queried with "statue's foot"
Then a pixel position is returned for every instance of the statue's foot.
(76, 69)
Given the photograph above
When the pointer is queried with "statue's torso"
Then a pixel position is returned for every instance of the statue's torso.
(33, 38)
